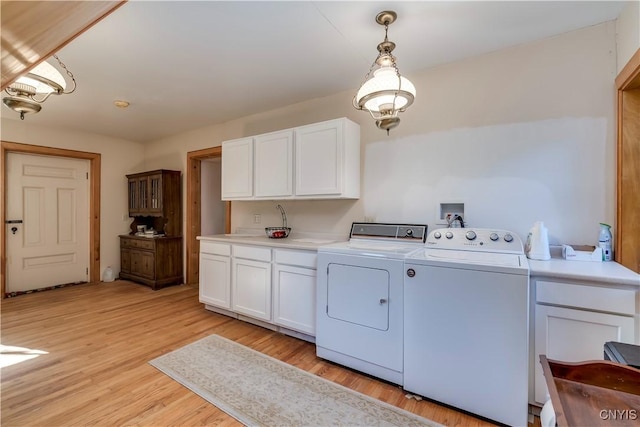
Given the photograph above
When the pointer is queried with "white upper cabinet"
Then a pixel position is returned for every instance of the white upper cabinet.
(317, 161)
(237, 169)
(328, 160)
(273, 172)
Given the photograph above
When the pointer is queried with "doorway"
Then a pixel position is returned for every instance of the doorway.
(94, 202)
(202, 167)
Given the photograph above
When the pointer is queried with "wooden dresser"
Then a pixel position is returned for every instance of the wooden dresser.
(154, 201)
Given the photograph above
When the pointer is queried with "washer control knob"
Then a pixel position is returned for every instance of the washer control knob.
(411, 272)
(471, 235)
(508, 238)
(409, 232)
(448, 235)
(437, 235)
(494, 236)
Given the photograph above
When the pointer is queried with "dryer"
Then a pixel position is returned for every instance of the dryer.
(359, 320)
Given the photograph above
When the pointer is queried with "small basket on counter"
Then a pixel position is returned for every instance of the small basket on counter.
(277, 232)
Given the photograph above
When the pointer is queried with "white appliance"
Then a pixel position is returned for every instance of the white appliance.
(466, 317)
(360, 298)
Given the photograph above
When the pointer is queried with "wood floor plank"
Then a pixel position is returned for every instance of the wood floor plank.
(98, 339)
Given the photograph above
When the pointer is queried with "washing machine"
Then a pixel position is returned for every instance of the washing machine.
(359, 320)
(466, 314)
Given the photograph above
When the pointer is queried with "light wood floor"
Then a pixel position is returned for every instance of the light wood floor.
(98, 339)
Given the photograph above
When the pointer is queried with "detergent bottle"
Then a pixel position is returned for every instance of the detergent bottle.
(604, 242)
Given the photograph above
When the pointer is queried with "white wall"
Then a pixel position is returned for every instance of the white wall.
(628, 33)
(519, 135)
(212, 214)
(118, 158)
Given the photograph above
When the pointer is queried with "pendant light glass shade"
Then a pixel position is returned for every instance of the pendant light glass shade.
(29, 91)
(385, 92)
(44, 78)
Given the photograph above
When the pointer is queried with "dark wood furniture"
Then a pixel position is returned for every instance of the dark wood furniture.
(593, 393)
(153, 201)
(155, 262)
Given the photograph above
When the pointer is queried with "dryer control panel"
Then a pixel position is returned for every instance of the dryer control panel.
(385, 232)
(475, 239)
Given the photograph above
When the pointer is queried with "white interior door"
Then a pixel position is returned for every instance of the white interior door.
(50, 195)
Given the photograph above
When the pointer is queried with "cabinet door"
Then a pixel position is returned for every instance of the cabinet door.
(319, 159)
(134, 198)
(154, 187)
(215, 280)
(237, 169)
(294, 302)
(571, 335)
(143, 195)
(251, 286)
(274, 164)
(125, 260)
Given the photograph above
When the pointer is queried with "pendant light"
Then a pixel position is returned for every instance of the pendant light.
(385, 92)
(30, 90)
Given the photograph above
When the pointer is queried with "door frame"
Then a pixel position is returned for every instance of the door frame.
(194, 209)
(94, 201)
(627, 238)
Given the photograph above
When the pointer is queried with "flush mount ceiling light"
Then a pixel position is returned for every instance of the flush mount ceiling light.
(385, 93)
(30, 90)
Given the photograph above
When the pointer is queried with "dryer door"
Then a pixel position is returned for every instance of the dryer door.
(358, 295)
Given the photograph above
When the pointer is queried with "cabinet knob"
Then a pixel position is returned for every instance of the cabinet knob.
(383, 301)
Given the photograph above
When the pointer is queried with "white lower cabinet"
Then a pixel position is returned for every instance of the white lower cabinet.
(294, 290)
(277, 287)
(573, 321)
(251, 285)
(215, 274)
(294, 300)
(251, 281)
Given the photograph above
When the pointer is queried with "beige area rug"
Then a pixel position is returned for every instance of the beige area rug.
(259, 390)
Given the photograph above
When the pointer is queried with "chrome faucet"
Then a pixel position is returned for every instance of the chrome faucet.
(451, 219)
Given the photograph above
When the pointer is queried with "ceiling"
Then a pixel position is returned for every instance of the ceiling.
(188, 64)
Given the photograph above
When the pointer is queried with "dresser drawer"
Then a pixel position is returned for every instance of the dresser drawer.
(137, 243)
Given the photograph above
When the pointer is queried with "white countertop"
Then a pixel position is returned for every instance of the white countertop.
(600, 272)
(608, 272)
(299, 241)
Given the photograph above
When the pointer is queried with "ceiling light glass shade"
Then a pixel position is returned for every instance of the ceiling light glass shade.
(29, 91)
(44, 78)
(385, 91)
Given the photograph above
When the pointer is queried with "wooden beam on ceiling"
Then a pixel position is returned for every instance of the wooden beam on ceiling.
(32, 31)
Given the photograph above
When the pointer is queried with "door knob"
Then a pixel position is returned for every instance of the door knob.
(14, 229)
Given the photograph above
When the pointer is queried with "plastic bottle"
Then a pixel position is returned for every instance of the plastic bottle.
(604, 242)
(108, 275)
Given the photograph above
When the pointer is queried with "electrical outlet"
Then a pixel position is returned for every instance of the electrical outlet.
(257, 218)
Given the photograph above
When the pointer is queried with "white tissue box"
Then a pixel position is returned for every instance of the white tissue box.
(581, 253)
